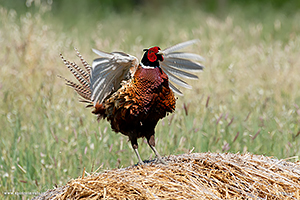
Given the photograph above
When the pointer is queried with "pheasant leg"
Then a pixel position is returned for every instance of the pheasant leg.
(151, 142)
(135, 148)
(138, 156)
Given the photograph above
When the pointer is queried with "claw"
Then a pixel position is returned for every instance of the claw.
(159, 158)
(140, 163)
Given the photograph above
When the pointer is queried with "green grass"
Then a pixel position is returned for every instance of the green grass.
(246, 100)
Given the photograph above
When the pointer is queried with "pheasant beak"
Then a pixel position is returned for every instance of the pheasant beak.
(160, 52)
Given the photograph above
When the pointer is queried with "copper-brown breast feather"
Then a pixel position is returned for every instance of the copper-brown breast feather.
(146, 97)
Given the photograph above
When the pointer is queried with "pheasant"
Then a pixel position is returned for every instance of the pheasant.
(133, 96)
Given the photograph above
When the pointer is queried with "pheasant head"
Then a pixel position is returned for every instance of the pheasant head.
(152, 56)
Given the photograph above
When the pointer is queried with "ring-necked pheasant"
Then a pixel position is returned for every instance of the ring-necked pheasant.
(134, 96)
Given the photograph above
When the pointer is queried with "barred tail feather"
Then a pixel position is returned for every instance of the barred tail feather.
(83, 77)
(80, 72)
(77, 75)
(82, 91)
(84, 63)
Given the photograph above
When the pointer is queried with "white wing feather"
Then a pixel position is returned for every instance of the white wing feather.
(181, 64)
(108, 72)
(111, 69)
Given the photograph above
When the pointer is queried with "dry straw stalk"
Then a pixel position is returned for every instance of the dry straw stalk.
(190, 176)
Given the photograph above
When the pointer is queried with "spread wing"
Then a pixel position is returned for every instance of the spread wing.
(181, 64)
(108, 72)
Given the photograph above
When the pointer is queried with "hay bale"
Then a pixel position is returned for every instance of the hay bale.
(191, 176)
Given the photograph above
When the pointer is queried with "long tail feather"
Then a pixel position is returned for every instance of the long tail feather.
(80, 71)
(84, 63)
(82, 91)
(83, 77)
(74, 72)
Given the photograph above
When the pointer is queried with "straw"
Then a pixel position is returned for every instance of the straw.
(190, 176)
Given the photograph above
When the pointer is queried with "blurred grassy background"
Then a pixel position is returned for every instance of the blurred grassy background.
(247, 98)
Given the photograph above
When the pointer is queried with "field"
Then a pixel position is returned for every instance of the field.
(246, 100)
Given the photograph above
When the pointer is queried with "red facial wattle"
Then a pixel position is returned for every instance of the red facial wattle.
(152, 54)
(152, 57)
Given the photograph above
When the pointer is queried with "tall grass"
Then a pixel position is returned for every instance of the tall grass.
(246, 100)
